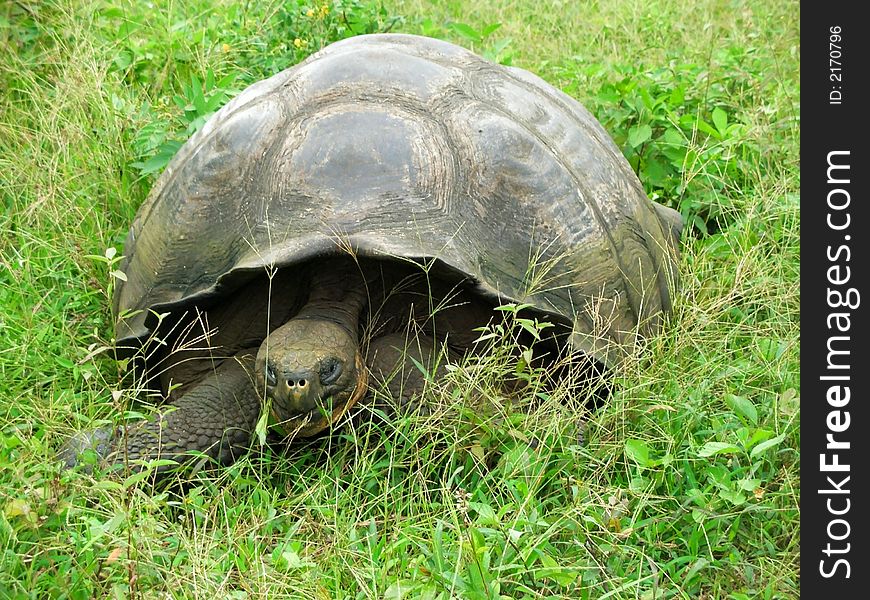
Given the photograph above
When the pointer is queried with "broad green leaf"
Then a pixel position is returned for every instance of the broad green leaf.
(108, 484)
(743, 407)
(164, 154)
(702, 125)
(137, 478)
(655, 172)
(735, 497)
(485, 513)
(123, 60)
(17, 507)
(153, 164)
(720, 120)
(98, 529)
(771, 443)
(214, 102)
(552, 570)
(466, 31)
(489, 29)
(673, 137)
(758, 436)
(750, 485)
(64, 362)
(713, 448)
(638, 451)
(638, 484)
(639, 134)
(196, 95)
(696, 568)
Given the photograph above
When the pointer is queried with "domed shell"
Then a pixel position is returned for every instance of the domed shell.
(404, 146)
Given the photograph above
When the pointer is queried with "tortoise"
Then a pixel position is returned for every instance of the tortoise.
(297, 248)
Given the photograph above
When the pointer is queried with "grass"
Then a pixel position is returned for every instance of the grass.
(686, 484)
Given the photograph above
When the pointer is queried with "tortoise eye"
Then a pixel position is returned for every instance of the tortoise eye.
(270, 375)
(330, 371)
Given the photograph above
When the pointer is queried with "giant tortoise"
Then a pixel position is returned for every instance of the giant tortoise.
(349, 219)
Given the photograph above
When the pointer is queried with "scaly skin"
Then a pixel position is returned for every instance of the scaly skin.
(216, 418)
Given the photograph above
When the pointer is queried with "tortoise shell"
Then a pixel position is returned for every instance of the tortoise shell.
(393, 145)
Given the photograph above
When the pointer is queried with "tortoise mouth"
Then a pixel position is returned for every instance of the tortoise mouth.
(328, 411)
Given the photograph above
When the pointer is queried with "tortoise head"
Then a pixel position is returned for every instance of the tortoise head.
(312, 371)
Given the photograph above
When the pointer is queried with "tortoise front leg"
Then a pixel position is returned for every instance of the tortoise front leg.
(216, 418)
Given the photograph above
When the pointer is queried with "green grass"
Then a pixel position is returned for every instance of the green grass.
(686, 485)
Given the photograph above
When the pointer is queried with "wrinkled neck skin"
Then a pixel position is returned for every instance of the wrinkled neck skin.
(338, 295)
(311, 367)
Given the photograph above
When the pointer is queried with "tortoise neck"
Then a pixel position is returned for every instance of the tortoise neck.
(338, 294)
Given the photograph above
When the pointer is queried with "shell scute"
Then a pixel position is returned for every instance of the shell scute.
(402, 146)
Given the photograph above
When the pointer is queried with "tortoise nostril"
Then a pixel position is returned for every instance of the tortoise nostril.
(295, 381)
